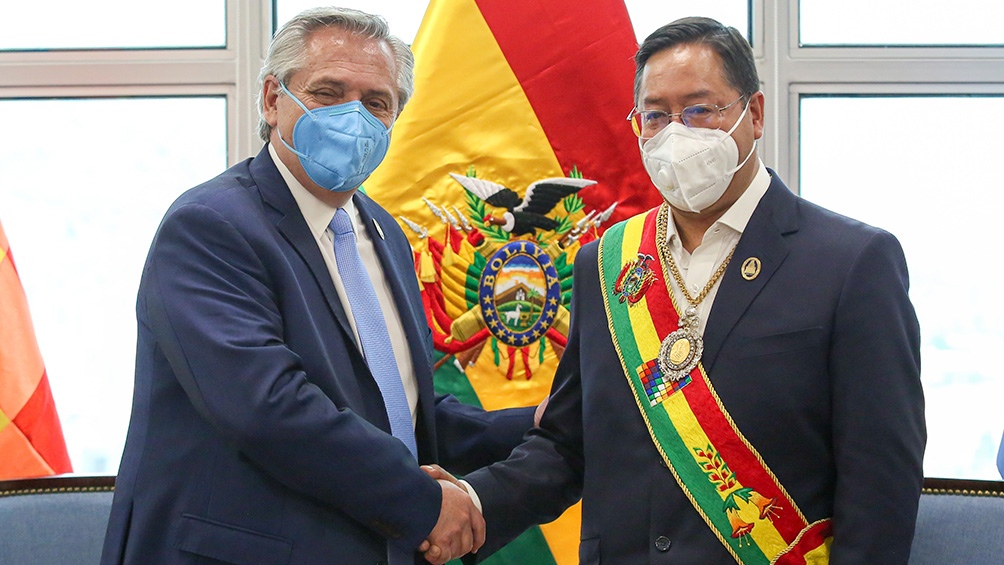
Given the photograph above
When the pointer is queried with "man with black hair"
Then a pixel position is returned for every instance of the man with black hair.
(750, 390)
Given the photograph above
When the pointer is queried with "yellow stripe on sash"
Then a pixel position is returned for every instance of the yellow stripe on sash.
(641, 320)
(764, 534)
(648, 342)
(819, 555)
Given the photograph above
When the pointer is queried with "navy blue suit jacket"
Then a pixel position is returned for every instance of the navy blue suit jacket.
(258, 434)
(816, 360)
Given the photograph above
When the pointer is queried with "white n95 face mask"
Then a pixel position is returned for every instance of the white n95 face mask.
(692, 167)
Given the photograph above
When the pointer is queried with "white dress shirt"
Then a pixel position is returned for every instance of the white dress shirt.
(698, 267)
(318, 215)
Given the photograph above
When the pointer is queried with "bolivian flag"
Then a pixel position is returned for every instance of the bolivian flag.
(31, 439)
(512, 92)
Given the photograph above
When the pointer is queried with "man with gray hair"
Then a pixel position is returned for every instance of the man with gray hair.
(283, 397)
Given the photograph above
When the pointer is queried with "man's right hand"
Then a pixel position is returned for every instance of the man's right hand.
(460, 529)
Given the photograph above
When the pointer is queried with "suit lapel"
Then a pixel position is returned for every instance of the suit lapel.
(763, 238)
(288, 220)
(281, 208)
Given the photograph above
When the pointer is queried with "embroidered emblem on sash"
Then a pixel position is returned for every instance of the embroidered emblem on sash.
(635, 279)
(741, 503)
(658, 386)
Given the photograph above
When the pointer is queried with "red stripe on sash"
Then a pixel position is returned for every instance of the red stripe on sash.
(750, 471)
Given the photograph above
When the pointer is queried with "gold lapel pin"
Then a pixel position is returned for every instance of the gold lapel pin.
(378, 229)
(751, 268)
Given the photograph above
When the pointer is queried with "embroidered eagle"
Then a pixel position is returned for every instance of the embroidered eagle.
(529, 214)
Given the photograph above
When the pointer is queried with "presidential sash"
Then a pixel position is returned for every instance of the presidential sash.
(724, 477)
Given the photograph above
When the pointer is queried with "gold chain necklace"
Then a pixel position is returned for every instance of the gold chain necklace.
(682, 349)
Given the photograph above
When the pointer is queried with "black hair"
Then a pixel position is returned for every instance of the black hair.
(730, 45)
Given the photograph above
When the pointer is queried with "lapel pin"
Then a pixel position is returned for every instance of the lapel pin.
(378, 229)
(751, 268)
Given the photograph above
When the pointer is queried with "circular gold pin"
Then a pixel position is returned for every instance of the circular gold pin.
(751, 268)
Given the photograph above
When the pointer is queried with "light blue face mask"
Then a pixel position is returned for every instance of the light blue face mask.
(339, 146)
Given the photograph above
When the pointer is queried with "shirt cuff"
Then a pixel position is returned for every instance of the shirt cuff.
(472, 493)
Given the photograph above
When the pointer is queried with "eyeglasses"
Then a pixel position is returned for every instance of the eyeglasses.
(647, 123)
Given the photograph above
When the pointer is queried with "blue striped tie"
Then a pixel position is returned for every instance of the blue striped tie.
(372, 329)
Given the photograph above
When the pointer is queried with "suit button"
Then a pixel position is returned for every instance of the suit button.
(662, 543)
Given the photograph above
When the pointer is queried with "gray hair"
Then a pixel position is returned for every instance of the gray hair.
(730, 45)
(286, 52)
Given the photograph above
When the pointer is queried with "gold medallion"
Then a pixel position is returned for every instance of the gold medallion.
(680, 352)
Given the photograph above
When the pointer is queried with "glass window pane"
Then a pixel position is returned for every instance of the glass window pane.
(892, 22)
(405, 16)
(85, 183)
(932, 184)
(112, 24)
(649, 15)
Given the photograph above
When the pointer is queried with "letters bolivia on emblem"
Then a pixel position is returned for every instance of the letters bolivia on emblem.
(520, 293)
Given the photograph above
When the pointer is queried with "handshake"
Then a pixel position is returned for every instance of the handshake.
(460, 529)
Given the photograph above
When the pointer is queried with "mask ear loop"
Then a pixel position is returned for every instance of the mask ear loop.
(736, 126)
(290, 147)
(297, 100)
(305, 111)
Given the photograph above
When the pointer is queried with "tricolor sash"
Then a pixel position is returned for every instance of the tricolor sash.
(724, 477)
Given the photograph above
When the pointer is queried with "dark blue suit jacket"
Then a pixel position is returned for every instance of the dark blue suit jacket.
(816, 359)
(258, 434)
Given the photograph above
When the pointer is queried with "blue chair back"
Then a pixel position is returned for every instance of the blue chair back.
(54, 520)
(959, 522)
(62, 521)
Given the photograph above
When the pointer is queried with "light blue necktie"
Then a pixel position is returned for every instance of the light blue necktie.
(372, 329)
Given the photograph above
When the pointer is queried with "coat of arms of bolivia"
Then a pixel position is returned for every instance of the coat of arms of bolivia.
(497, 286)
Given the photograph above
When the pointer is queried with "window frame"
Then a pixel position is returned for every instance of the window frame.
(789, 70)
(230, 71)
